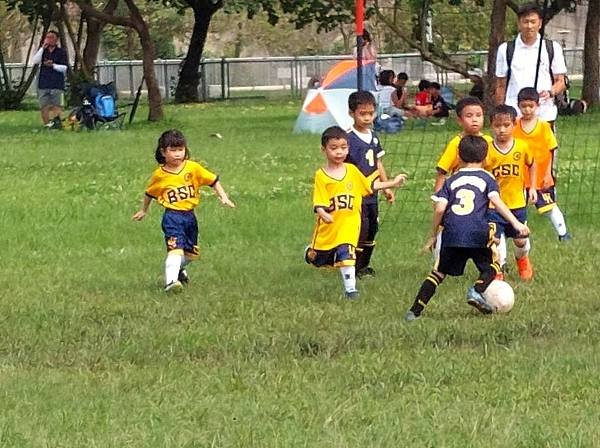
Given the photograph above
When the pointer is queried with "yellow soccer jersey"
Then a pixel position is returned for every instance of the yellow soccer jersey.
(180, 191)
(342, 198)
(542, 142)
(449, 161)
(509, 169)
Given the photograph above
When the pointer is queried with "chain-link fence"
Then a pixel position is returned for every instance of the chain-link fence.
(275, 76)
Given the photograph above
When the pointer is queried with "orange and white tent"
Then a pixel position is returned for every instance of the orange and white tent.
(328, 105)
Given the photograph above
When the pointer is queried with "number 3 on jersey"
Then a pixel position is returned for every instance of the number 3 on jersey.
(466, 204)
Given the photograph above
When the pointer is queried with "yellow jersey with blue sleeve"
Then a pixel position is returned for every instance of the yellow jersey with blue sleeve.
(509, 168)
(342, 199)
(542, 142)
(180, 190)
(449, 161)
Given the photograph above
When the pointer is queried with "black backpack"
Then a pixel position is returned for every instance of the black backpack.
(562, 99)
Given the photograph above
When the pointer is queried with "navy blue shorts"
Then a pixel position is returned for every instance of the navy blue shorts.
(181, 232)
(502, 226)
(342, 255)
(546, 199)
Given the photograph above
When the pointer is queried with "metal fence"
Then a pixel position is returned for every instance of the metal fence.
(284, 76)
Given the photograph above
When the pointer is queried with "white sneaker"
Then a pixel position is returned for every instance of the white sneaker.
(174, 287)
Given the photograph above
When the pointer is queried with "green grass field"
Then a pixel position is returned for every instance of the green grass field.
(261, 350)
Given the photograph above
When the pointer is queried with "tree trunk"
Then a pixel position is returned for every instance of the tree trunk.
(155, 112)
(94, 28)
(187, 85)
(497, 27)
(591, 64)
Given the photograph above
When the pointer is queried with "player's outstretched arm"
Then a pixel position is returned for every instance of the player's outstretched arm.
(389, 193)
(507, 214)
(397, 181)
(218, 188)
(325, 216)
(440, 178)
(140, 214)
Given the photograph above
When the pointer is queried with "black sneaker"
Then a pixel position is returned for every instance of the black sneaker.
(183, 277)
(352, 295)
(366, 272)
(564, 238)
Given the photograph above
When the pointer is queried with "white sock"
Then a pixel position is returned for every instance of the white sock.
(502, 250)
(172, 266)
(349, 278)
(521, 252)
(558, 220)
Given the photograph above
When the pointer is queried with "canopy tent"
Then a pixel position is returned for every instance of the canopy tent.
(328, 105)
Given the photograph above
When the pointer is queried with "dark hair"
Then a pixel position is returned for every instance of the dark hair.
(472, 149)
(530, 8)
(435, 85)
(366, 36)
(386, 77)
(403, 76)
(360, 98)
(53, 32)
(503, 109)
(467, 101)
(423, 84)
(333, 133)
(170, 138)
(528, 94)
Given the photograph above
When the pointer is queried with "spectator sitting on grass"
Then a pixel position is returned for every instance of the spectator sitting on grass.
(440, 108)
(386, 90)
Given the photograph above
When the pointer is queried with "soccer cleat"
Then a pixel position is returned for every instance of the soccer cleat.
(352, 295)
(410, 316)
(525, 268)
(476, 300)
(183, 277)
(564, 238)
(174, 287)
(366, 272)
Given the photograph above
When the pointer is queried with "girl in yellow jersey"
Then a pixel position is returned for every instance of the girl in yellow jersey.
(175, 185)
(337, 201)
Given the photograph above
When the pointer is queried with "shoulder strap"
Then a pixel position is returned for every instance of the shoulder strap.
(510, 51)
(550, 51)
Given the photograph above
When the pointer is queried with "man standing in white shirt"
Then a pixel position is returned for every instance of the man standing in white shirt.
(51, 80)
(526, 60)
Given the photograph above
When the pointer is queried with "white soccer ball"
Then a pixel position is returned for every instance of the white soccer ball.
(500, 295)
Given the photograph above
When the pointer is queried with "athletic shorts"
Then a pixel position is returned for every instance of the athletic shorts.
(502, 226)
(50, 97)
(453, 260)
(181, 232)
(342, 255)
(546, 199)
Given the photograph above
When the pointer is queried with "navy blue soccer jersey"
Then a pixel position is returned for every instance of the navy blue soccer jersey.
(467, 194)
(364, 155)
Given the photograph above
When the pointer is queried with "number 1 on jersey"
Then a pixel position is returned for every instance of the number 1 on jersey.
(370, 156)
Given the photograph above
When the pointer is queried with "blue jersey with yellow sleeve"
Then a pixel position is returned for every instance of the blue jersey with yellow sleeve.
(342, 198)
(467, 195)
(364, 150)
(509, 168)
(180, 191)
(449, 161)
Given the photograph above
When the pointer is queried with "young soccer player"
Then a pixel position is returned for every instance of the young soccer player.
(542, 142)
(461, 208)
(470, 117)
(365, 152)
(175, 185)
(510, 160)
(337, 199)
